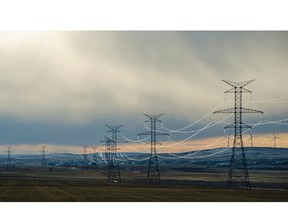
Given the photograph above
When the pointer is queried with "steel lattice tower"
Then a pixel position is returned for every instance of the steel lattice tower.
(85, 159)
(43, 162)
(238, 171)
(94, 153)
(113, 170)
(106, 147)
(9, 160)
(153, 173)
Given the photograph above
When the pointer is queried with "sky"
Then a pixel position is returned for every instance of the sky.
(61, 88)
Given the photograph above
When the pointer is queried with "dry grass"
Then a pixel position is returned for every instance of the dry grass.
(91, 186)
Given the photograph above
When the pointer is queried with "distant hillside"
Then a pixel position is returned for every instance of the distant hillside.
(257, 158)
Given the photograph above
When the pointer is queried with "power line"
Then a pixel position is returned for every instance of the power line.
(209, 125)
(133, 158)
(202, 149)
(197, 157)
(199, 120)
(238, 171)
(274, 100)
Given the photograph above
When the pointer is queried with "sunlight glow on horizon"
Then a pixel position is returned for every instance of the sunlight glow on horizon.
(260, 140)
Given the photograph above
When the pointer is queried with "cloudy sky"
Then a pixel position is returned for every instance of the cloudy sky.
(61, 88)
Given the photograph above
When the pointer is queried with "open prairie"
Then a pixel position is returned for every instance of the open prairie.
(66, 184)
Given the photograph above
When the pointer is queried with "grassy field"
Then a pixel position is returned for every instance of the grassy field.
(91, 186)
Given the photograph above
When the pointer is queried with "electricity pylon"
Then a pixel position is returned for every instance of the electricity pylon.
(94, 153)
(113, 169)
(238, 171)
(85, 159)
(153, 173)
(9, 160)
(106, 147)
(274, 139)
(43, 161)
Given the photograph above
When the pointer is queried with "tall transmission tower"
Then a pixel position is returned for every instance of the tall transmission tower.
(106, 149)
(43, 161)
(85, 159)
(9, 160)
(94, 153)
(153, 173)
(113, 170)
(238, 171)
(94, 149)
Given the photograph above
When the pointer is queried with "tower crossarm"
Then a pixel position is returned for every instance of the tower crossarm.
(149, 133)
(116, 140)
(160, 133)
(114, 128)
(232, 90)
(229, 110)
(43, 150)
(246, 110)
(229, 126)
(238, 84)
(242, 125)
(233, 110)
(235, 89)
(154, 117)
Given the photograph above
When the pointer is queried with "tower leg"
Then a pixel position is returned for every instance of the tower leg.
(238, 175)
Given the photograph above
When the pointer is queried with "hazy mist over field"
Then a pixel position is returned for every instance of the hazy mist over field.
(63, 87)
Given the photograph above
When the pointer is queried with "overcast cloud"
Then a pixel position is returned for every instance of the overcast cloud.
(78, 79)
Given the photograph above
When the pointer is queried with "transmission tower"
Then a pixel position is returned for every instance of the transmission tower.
(153, 173)
(9, 161)
(94, 153)
(85, 160)
(43, 162)
(94, 149)
(106, 149)
(238, 171)
(113, 170)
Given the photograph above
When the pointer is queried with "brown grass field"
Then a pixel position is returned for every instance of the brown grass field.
(63, 184)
